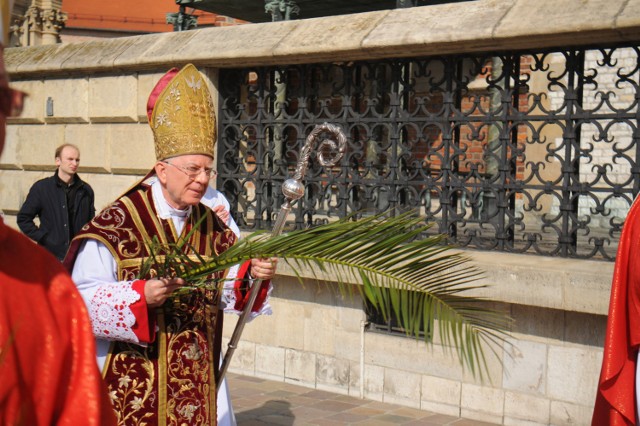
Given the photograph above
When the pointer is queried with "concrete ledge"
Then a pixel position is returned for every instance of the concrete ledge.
(576, 285)
(567, 284)
(482, 25)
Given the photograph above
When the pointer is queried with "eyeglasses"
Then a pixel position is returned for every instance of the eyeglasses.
(193, 172)
(11, 101)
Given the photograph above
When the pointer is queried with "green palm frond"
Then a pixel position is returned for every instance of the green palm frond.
(419, 280)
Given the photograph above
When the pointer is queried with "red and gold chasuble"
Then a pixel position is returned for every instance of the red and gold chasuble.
(172, 380)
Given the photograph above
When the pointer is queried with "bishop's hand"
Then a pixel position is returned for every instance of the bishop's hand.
(264, 269)
(222, 213)
(157, 291)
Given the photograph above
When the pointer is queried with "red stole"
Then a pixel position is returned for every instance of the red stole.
(616, 397)
(172, 380)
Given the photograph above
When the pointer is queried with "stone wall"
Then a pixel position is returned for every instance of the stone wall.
(94, 94)
(546, 373)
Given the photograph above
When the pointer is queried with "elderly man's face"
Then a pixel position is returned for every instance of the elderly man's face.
(184, 179)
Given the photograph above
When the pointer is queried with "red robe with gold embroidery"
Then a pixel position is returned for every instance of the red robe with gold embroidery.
(48, 372)
(616, 397)
(171, 379)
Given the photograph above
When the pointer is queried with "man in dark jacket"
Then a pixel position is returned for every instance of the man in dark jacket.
(62, 202)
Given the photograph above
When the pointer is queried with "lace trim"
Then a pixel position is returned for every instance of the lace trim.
(111, 316)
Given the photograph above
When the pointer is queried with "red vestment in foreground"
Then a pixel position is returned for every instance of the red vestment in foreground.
(48, 371)
(616, 397)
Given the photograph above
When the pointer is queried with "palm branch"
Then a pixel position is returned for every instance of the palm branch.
(419, 280)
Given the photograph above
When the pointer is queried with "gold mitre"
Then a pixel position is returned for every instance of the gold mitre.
(181, 115)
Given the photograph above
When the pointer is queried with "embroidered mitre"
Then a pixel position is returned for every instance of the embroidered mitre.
(181, 115)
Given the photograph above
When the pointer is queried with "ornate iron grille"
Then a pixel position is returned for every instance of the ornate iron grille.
(525, 152)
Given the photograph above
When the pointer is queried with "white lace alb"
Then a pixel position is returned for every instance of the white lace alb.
(111, 314)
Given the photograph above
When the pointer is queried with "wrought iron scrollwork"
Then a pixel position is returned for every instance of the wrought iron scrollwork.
(524, 152)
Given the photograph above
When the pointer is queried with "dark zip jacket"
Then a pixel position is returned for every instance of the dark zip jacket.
(60, 220)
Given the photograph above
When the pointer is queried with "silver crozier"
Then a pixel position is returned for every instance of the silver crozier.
(293, 189)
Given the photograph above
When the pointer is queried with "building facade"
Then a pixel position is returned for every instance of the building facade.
(37, 22)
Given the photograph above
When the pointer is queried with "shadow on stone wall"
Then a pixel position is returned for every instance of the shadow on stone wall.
(566, 326)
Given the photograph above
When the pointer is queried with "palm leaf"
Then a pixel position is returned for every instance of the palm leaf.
(419, 280)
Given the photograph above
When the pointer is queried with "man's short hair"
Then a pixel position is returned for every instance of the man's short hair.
(63, 146)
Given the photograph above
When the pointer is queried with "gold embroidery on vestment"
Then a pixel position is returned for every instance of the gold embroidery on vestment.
(131, 393)
(137, 220)
(113, 232)
(162, 369)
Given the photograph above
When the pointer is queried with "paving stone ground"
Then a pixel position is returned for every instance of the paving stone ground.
(259, 402)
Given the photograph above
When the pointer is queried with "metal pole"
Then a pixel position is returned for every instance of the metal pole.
(293, 189)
